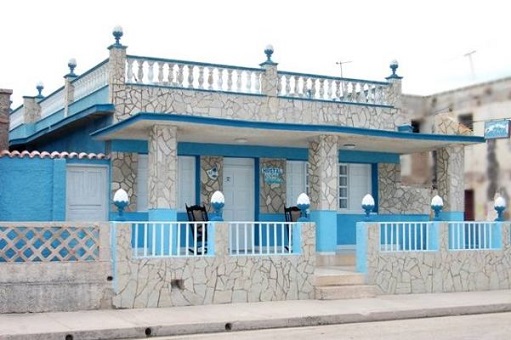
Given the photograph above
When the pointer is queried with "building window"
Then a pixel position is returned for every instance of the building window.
(467, 120)
(354, 184)
(297, 181)
(416, 126)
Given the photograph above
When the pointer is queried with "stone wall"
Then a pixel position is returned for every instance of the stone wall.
(395, 198)
(124, 176)
(182, 281)
(272, 195)
(5, 105)
(439, 271)
(211, 177)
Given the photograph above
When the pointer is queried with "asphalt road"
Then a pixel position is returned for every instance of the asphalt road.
(470, 327)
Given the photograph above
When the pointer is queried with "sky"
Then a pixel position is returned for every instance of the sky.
(440, 44)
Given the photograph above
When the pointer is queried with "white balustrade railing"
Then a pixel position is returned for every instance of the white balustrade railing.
(164, 239)
(471, 235)
(52, 103)
(17, 118)
(333, 88)
(261, 238)
(90, 81)
(405, 236)
(193, 75)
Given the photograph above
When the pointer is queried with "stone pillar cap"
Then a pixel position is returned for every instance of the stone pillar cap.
(5, 91)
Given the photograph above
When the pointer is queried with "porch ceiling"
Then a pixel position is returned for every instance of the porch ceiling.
(226, 131)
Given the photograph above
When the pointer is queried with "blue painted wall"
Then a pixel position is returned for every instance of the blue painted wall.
(32, 189)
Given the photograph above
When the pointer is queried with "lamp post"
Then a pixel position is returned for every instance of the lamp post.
(368, 206)
(500, 206)
(217, 202)
(437, 204)
(303, 203)
(121, 201)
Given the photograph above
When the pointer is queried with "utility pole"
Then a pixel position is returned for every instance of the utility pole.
(469, 56)
(340, 63)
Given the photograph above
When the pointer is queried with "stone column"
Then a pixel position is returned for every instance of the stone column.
(69, 89)
(5, 106)
(116, 79)
(450, 179)
(162, 200)
(394, 95)
(272, 188)
(324, 184)
(269, 79)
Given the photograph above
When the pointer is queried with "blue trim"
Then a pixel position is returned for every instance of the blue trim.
(375, 186)
(257, 188)
(297, 239)
(326, 230)
(350, 156)
(99, 108)
(162, 214)
(324, 129)
(198, 181)
(267, 217)
(128, 145)
(452, 216)
(361, 249)
(230, 150)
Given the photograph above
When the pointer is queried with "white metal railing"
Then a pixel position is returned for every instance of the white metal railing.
(164, 239)
(52, 103)
(349, 90)
(92, 80)
(261, 238)
(405, 236)
(17, 118)
(193, 75)
(471, 235)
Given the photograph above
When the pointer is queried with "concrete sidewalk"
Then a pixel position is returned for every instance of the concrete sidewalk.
(139, 323)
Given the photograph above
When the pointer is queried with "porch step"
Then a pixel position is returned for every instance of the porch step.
(347, 258)
(341, 282)
(345, 292)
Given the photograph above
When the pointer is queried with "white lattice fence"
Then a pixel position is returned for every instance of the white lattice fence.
(49, 243)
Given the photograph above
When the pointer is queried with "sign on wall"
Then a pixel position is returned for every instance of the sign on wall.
(272, 175)
(494, 129)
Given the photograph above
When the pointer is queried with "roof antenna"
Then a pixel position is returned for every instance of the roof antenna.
(469, 56)
(340, 63)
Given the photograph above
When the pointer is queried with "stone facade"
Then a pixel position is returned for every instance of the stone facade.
(210, 181)
(324, 173)
(398, 199)
(124, 176)
(272, 195)
(439, 271)
(183, 281)
(5, 105)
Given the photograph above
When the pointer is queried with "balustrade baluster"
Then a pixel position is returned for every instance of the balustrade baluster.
(229, 80)
(249, 81)
(160, 71)
(201, 77)
(337, 92)
(305, 90)
(321, 88)
(140, 71)
(287, 81)
(180, 75)
(190, 76)
(238, 81)
(313, 88)
(329, 89)
(150, 71)
(210, 78)
(220, 80)
(170, 76)
(296, 91)
(129, 73)
(258, 82)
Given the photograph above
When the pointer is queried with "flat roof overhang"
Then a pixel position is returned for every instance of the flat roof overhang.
(197, 129)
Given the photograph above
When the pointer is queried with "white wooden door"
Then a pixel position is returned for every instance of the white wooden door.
(238, 189)
(86, 193)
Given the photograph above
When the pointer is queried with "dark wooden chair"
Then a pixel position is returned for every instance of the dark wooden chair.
(198, 213)
(292, 214)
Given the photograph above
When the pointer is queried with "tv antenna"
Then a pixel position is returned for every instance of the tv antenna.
(469, 56)
(340, 63)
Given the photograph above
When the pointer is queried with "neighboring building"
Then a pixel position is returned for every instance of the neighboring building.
(176, 131)
(487, 166)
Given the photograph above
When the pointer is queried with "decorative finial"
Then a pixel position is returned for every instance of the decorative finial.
(303, 203)
(268, 51)
(72, 65)
(117, 33)
(217, 202)
(40, 87)
(437, 204)
(500, 206)
(121, 201)
(393, 66)
(368, 205)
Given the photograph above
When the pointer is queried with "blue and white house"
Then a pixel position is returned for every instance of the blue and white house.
(172, 132)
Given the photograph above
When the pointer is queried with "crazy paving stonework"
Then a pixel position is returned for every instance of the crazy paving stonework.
(142, 283)
(162, 167)
(323, 173)
(438, 271)
(272, 194)
(450, 163)
(397, 199)
(124, 176)
(210, 179)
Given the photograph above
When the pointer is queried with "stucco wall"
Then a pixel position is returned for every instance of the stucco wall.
(142, 283)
